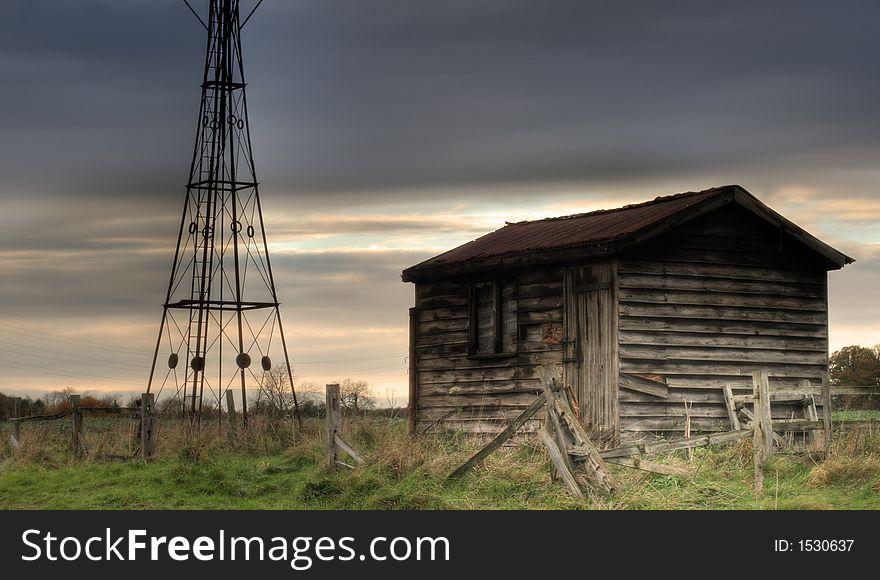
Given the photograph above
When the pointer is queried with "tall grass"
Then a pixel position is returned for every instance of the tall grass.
(274, 464)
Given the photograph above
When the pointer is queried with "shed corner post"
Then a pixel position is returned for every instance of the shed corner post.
(413, 402)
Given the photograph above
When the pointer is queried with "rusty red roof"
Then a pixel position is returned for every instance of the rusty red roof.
(593, 228)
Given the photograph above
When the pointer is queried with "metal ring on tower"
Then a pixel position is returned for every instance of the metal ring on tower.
(173, 360)
(243, 360)
(235, 226)
(193, 227)
(266, 363)
(250, 231)
(197, 363)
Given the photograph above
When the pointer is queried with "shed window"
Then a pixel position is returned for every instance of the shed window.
(492, 318)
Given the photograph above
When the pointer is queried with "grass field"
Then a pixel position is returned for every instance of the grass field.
(856, 415)
(271, 468)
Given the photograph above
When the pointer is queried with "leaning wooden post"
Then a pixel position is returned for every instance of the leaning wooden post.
(826, 410)
(767, 409)
(758, 441)
(230, 411)
(76, 441)
(499, 440)
(333, 423)
(148, 426)
(16, 426)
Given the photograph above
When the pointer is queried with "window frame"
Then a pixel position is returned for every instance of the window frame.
(497, 290)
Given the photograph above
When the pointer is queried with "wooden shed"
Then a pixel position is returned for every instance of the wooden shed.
(650, 309)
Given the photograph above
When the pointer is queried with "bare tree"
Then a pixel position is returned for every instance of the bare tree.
(309, 392)
(356, 395)
(275, 396)
(59, 398)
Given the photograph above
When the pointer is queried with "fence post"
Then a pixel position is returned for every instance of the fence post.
(16, 426)
(826, 411)
(76, 441)
(148, 426)
(333, 423)
(230, 411)
(762, 441)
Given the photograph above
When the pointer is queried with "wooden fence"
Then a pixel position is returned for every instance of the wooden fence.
(76, 412)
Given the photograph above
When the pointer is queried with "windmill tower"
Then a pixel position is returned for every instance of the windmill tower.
(221, 321)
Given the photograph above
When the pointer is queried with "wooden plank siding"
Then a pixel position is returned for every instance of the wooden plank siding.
(707, 304)
(701, 307)
(476, 394)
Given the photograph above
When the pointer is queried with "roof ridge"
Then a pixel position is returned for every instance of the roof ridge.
(656, 200)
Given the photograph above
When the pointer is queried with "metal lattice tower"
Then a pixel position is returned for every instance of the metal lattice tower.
(221, 311)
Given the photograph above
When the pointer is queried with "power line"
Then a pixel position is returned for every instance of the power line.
(66, 360)
(38, 335)
(75, 358)
(18, 366)
(343, 360)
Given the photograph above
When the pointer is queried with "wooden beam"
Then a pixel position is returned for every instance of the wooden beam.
(798, 425)
(500, 439)
(827, 407)
(731, 408)
(42, 417)
(558, 459)
(667, 446)
(342, 444)
(644, 465)
(631, 382)
(558, 404)
(553, 426)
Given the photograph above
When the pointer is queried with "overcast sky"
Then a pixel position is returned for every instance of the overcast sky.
(388, 131)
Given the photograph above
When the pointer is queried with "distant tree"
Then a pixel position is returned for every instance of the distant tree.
(32, 407)
(7, 406)
(57, 401)
(356, 395)
(856, 366)
(275, 396)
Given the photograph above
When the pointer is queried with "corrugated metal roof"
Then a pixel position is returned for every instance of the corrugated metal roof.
(573, 230)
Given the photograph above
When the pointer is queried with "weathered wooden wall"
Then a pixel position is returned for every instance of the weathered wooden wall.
(481, 394)
(699, 308)
(705, 306)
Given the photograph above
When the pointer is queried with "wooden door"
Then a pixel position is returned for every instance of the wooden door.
(591, 348)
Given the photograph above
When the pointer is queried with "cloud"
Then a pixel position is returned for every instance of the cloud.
(387, 131)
